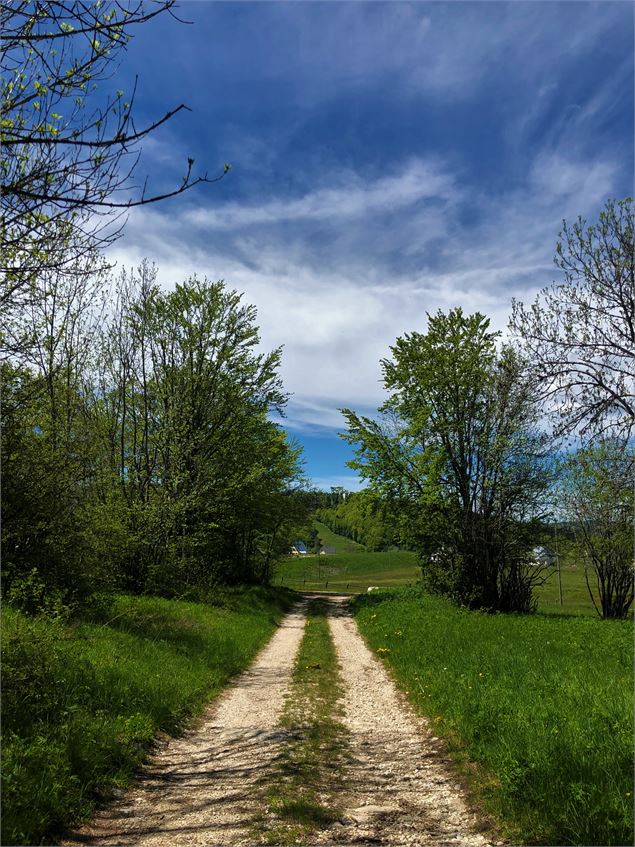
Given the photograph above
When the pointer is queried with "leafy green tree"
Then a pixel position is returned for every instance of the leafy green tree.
(363, 517)
(58, 518)
(203, 470)
(579, 334)
(138, 450)
(596, 491)
(459, 455)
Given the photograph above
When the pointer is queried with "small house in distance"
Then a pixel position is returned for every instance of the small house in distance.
(542, 556)
(298, 548)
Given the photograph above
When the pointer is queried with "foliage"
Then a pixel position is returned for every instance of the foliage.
(460, 458)
(543, 705)
(596, 490)
(363, 517)
(81, 704)
(138, 446)
(579, 335)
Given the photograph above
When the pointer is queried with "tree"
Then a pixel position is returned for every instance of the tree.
(363, 517)
(458, 453)
(68, 151)
(579, 335)
(138, 449)
(596, 490)
(204, 473)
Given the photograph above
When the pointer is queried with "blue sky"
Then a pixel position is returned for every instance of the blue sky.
(389, 159)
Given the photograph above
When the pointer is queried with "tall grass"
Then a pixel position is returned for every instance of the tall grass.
(82, 702)
(543, 704)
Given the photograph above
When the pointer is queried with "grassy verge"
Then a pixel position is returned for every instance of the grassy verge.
(82, 702)
(542, 704)
(300, 795)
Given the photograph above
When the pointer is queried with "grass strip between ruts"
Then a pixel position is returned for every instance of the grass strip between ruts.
(301, 791)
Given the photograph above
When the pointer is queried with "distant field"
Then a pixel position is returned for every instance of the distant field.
(340, 542)
(575, 595)
(349, 571)
(352, 569)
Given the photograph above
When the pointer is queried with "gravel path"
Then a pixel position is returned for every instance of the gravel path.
(205, 788)
(399, 788)
(201, 789)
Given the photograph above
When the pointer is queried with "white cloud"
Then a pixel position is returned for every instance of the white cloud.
(353, 198)
(377, 269)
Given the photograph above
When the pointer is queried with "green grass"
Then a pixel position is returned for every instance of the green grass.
(82, 702)
(542, 704)
(302, 793)
(351, 569)
(354, 570)
(339, 542)
(575, 594)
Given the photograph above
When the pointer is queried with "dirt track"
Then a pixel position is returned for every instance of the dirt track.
(204, 788)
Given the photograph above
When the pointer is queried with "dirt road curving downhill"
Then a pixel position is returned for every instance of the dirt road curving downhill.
(206, 788)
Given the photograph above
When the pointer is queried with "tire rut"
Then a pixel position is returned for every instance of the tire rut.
(400, 791)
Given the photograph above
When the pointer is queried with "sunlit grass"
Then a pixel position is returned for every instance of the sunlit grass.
(82, 703)
(339, 542)
(348, 572)
(543, 704)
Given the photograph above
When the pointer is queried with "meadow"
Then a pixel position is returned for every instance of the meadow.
(83, 701)
(537, 711)
(353, 570)
(348, 572)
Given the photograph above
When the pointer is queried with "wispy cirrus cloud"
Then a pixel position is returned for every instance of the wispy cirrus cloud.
(337, 319)
(391, 159)
(352, 197)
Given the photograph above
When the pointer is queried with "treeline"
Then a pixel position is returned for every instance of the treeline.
(363, 517)
(138, 450)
